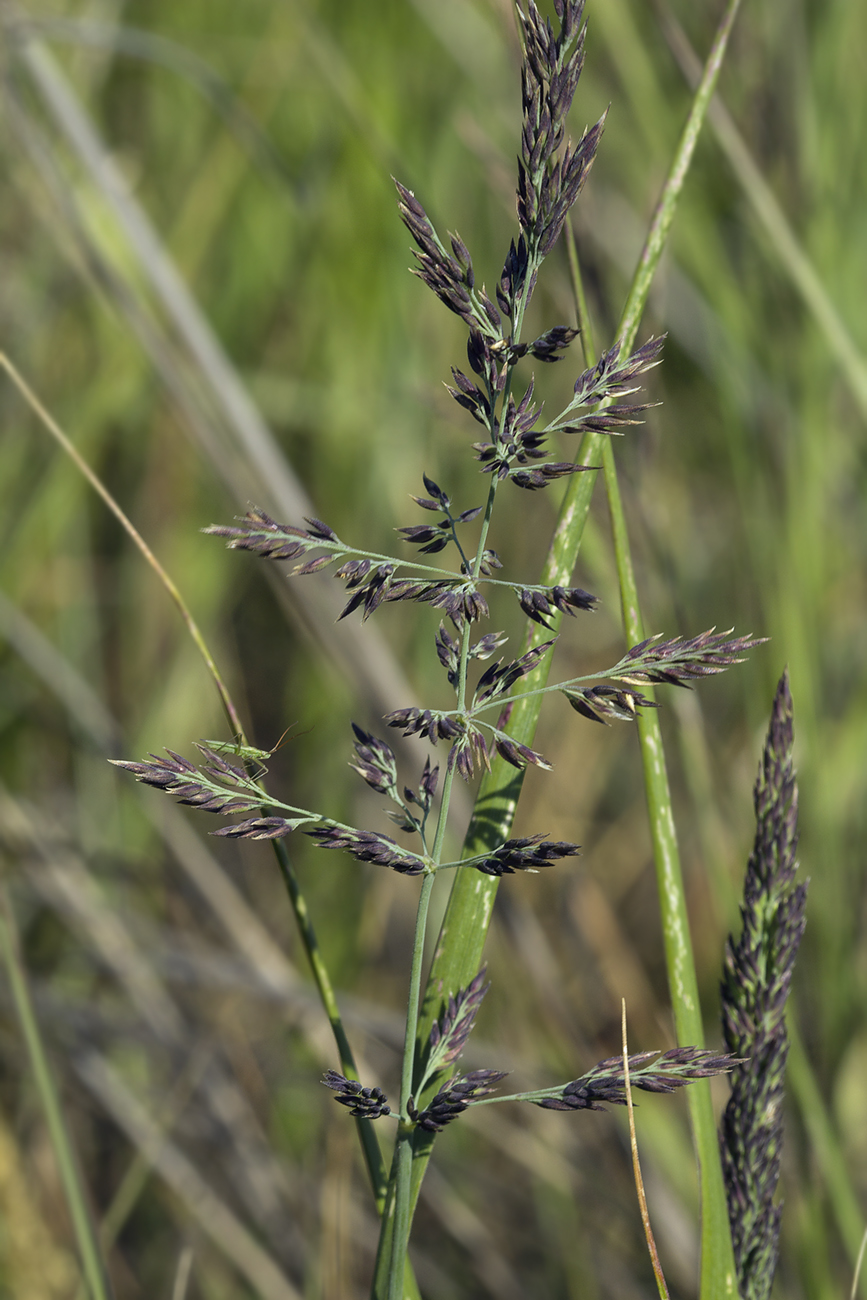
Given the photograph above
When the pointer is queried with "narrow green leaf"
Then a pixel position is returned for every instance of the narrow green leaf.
(92, 1264)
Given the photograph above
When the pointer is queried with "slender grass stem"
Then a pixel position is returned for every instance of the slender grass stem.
(102, 491)
(661, 1286)
(93, 1266)
(403, 1148)
(717, 1264)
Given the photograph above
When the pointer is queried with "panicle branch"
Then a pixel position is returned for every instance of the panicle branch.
(676, 661)
(605, 1083)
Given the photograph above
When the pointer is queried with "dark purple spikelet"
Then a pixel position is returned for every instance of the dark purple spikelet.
(363, 1103)
(756, 980)
(425, 722)
(606, 703)
(369, 846)
(518, 755)
(550, 345)
(528, 853)
(676, 661)
(258, 828)
(449, 1034)
(500, 677)
(455, 1097)
(605, 1083)
(540, 476)
(376, 763)
(449, 275)
(539, 603)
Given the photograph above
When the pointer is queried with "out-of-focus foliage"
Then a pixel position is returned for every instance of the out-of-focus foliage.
(259, 140)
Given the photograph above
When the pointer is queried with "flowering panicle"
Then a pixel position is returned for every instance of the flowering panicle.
(756, 981)
(515, 447)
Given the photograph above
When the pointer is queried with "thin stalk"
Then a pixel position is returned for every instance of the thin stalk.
(717, 1259)
(370, 1145)
(369, 1142)
(581, 310)
(459, 950)
(661, 1285)
(101, 490)
(403, 1147)
(782, 240)
(92, 1264)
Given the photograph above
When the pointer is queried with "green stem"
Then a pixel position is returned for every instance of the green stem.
(405, 1133)
(581, 311)
(95, 1274)
(369, 1142)
(717, 1259)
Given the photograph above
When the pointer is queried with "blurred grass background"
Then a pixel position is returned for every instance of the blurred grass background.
(204, 277)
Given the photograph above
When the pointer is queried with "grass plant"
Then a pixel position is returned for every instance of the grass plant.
(130, 970)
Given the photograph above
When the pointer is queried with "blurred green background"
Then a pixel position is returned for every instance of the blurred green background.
(204, 278)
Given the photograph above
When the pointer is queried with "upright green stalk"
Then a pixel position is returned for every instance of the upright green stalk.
(717, 1260)
(95, 1274)
(403, 1146)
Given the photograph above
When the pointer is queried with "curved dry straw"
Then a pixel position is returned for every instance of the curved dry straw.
(370, 1145)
